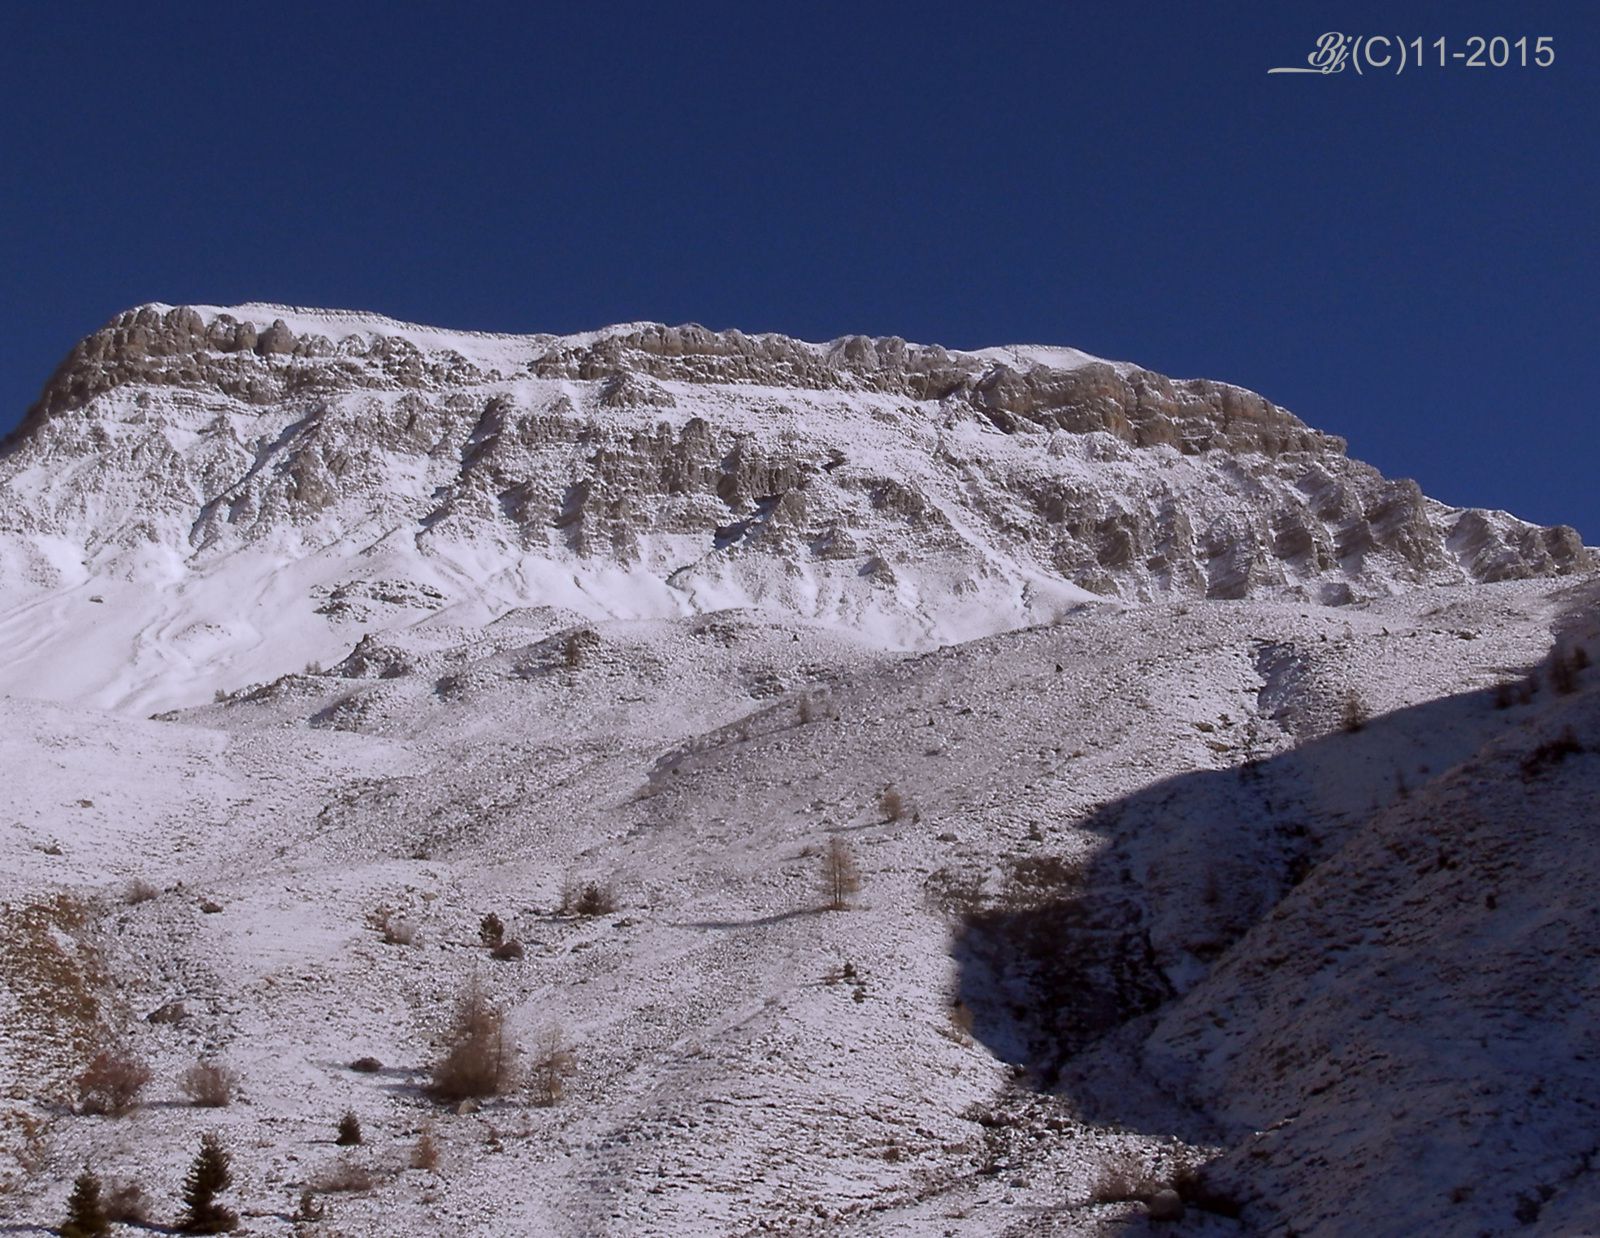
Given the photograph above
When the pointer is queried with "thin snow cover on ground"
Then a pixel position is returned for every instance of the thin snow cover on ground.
(869, 872)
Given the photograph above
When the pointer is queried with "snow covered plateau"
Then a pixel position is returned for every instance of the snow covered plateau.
(1211, 819)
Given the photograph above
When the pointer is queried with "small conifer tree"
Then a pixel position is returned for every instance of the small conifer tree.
(209, 1176)
(86, 1213)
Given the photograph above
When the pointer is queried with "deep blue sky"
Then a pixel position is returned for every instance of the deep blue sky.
(1410, 262)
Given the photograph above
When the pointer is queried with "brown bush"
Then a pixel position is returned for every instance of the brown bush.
(588, 898)
(425, 1154)
(111, 1083)
(508, 951)
(1355, 713)
(210, 1085)
(1124, 1180)
(478, 1050)
(139, 891)
(891, 804)
(342, 1176)
(126, 1202)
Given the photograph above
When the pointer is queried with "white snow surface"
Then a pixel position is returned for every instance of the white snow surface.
(729, 1079)
(274, 674)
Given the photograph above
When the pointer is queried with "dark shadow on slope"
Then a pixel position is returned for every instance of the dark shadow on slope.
(1066, 955)
(758, 922)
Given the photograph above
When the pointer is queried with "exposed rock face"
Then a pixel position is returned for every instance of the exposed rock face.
(861, 478)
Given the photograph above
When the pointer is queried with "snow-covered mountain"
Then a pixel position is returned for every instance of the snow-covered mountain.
(1221, 810)
(218, 495)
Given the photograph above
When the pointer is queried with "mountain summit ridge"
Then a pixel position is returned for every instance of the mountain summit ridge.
(918, 494)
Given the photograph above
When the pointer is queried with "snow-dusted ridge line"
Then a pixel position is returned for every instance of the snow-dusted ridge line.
(309, 318)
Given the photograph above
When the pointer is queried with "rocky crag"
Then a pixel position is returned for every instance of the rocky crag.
(917, 493)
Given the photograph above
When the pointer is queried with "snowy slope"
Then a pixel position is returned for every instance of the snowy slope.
(441, 624)
(729, 1079)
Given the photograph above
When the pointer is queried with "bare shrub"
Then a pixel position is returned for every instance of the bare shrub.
(210, 1085)
(588, 898)
(804, 710)
(1505, 694)
(577, 646)
(1123, 1180)
(1564, 668)
(841, 877)
(1550, 752)
(393, 930)
(478, 1050)
(425, 1153)
(311, 1208)
(508, 951)
(400, 933)
(111, 1083)
(139, 891)
(1355, 713)
(552, 1063)
(344, 1176)
(891, 804)
(126, 1202)
(1040, 880)
(366, 1065)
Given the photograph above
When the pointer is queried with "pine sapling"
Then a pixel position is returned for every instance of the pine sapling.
(209, 1176)
(349, 1129)
(86, 1213)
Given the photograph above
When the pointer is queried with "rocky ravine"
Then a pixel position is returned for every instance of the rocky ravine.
(920, 494)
